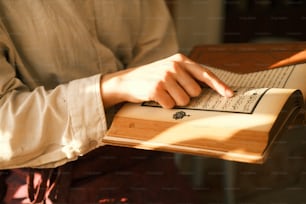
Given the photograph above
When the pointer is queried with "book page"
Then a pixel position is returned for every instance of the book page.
(292, 77)
(273, 78)
(244, 100)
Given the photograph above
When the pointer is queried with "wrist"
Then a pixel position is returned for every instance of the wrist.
(110, 90)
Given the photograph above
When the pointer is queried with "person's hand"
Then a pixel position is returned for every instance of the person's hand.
(170, 82)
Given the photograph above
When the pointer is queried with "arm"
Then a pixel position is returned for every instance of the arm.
(45, 128)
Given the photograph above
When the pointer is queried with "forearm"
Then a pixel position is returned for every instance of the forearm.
(110, 89)
(43, 128)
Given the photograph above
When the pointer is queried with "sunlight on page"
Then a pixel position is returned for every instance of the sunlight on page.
(198, 140)
(230, 128)
(230, 125)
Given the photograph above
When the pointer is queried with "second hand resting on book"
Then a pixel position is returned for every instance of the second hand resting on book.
(170, 82)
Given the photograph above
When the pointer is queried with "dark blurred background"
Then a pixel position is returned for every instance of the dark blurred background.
(237, 21)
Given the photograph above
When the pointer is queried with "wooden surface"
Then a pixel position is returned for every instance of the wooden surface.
(250, 57)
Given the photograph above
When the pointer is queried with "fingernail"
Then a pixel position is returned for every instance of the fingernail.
(229, 93)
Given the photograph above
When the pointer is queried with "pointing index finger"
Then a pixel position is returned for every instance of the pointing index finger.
(205, 75)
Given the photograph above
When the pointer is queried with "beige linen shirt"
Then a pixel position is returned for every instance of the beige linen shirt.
(52, 56)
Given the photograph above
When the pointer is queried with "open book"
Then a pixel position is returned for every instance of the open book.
(242, 128)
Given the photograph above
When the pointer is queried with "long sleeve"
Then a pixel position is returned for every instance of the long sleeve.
(157, 38)
(51, 62)
(149, 31)
(46, 127)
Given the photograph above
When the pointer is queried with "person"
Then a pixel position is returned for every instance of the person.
(65, 67)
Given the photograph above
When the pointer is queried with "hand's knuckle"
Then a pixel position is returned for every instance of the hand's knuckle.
(184, 101)
(179, 56)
